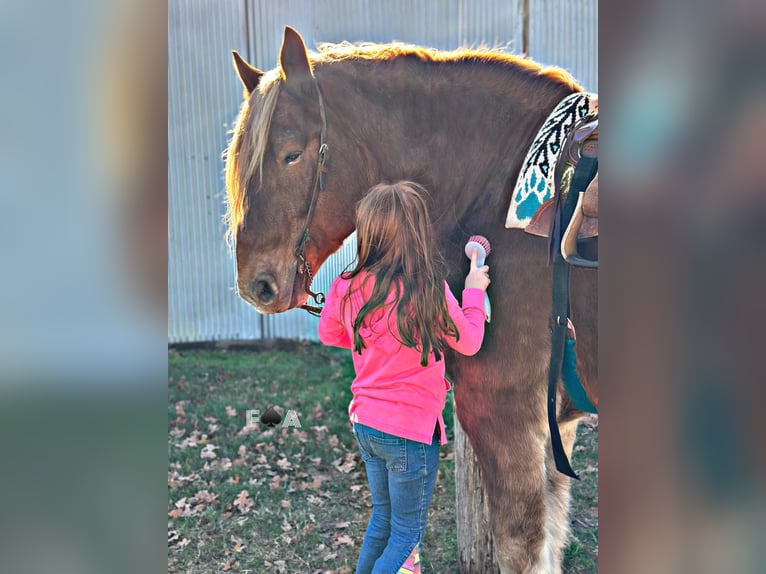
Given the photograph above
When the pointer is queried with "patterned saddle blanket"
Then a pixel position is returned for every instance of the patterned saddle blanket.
(535, 183)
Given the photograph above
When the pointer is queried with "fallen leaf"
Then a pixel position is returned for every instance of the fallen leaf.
(243, 502)
(208, 452)
(348, 464)
(344, 539)
(206, 497)
(319, 432)
(184, 543)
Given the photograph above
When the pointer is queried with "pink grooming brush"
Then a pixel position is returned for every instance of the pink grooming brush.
(481, 245)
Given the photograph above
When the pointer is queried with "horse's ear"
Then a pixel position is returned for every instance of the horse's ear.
(249, 75)
(293, 58)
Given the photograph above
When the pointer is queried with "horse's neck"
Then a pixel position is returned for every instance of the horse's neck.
(460, 130)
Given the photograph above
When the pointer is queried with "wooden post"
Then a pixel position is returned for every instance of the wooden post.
(475, 547)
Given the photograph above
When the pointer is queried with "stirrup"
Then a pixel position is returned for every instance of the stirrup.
(569, 240)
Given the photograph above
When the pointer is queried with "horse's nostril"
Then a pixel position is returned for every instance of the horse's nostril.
(264, 289)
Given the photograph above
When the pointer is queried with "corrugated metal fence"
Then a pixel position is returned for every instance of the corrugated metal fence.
(204, 96)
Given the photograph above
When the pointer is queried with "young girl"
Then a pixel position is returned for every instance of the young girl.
(396, 312)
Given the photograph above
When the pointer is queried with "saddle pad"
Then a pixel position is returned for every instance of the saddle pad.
(534, 185)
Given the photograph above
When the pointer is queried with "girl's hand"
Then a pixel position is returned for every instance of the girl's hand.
(571, 333)
(478, 277)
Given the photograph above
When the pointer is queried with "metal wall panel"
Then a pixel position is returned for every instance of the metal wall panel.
(201, 102)
(204, 96)
(442, 24)
(565, 33)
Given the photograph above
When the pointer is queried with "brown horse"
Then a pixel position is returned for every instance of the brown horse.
(459, 123)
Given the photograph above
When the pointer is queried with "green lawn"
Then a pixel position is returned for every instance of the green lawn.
(294, 500)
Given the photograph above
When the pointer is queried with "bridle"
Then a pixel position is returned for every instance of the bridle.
(304, 268)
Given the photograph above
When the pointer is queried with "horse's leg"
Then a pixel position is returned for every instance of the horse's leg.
(519, 523)
(539, 497)
(557, 497)
(507, 428)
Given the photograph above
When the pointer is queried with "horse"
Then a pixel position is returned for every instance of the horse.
(317, 131)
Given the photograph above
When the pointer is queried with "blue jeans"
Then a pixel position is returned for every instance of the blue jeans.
(402, 474)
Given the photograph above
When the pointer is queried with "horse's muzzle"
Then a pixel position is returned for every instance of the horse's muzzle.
(261, 292)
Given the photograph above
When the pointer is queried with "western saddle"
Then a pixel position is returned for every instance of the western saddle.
(579, 244)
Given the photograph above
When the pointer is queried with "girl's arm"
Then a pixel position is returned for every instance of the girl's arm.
(469, 320)
(331, 329)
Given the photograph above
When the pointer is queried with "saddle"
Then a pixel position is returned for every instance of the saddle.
(584, 223)
(570, 132)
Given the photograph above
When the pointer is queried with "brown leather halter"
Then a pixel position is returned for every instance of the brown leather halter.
(304, 268)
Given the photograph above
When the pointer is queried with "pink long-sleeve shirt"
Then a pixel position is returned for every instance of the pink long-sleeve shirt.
(392, 392)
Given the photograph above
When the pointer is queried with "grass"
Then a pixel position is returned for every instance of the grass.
(295, 500)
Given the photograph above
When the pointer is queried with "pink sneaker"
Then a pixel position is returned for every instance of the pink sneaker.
(412, 564)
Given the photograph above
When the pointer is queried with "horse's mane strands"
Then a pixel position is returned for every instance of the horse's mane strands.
(382, 52)
(250, 135)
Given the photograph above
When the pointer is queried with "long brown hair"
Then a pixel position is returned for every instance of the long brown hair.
(395, 245)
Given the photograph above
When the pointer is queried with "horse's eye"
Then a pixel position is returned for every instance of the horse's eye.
(292, 157)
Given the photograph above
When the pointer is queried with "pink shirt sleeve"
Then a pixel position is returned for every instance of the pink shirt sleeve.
(469, 320)
(331, 330)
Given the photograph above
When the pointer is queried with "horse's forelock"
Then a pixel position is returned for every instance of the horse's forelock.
(250, 136)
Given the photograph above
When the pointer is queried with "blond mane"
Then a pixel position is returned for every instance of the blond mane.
(249, 138)
(385, 52)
